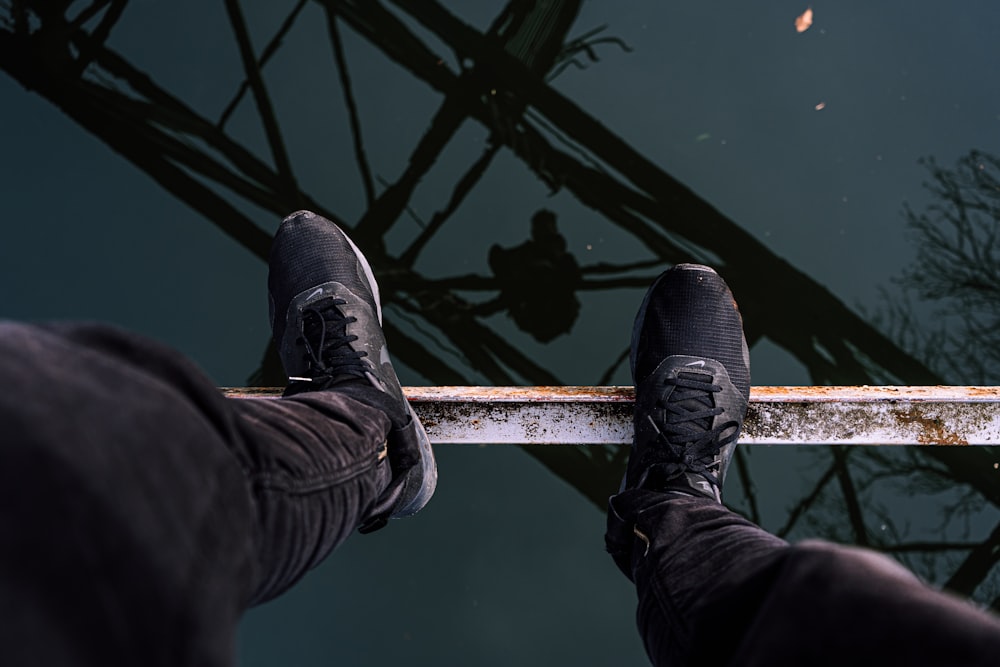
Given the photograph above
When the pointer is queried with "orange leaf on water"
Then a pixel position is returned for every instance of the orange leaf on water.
(803, 22)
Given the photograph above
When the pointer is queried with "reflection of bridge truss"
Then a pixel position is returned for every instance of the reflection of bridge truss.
(183, 150)
(57, 49)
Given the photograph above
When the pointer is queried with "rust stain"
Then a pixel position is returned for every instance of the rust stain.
(983, 392)
(584, 394)
(874, 394)
(559, 394)
(932, 431)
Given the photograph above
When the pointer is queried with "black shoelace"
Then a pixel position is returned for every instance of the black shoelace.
(323, 334)
(691, 445)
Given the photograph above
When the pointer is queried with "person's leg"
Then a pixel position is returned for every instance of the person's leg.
(126, 525)
(682, 552)
(141, 512)
(716, 589)
(316, 467)
(836, 605)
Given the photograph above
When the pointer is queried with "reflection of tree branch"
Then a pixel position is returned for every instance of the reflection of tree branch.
(466, 283)
(483, 349)
(957, 269)
(385, 210)
(584, 43)
(606, 375)
(806, 503)
(969, 465)
(476, 283)
(977, 565)
(134, 143)
(615, 283)
(597, 190)
(850, 494)
(927, 547)
(604, 267)
(135, 128)
(538, 120)
(352, 108)
(419, 358)
(266, 54)
(179, 151)
(547, 30)
(264, 107)
(166, 110)
(601, 466)
(462, 189)
(101, 33)
(371, 20)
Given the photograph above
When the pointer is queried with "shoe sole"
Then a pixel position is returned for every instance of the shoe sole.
(428, 465)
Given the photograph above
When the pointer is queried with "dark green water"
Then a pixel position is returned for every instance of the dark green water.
(800, 164)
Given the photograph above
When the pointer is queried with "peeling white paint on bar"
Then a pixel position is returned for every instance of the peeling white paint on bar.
(777, 415)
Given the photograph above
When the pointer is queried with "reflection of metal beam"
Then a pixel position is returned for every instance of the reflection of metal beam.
(777, 415)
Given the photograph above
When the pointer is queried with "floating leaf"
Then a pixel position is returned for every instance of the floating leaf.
(803, 22)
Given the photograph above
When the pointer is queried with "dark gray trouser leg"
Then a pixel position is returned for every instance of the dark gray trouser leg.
(141, 512)
(714, 589)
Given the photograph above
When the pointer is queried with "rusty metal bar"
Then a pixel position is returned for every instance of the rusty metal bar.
(777, 415)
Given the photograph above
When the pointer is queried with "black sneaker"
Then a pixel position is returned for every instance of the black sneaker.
(691, 369)
(327, 325)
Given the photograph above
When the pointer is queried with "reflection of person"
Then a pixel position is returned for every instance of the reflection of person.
(141, 512)
(538, 281)
(715, 589)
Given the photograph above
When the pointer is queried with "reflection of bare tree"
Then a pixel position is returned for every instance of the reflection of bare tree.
(955, 283)
(957, 271)
(500, 83)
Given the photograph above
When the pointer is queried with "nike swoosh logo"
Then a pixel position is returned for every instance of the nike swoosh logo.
(696, 363)
(318, 290)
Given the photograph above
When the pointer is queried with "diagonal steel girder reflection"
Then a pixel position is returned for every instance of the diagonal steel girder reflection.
(653, 205)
